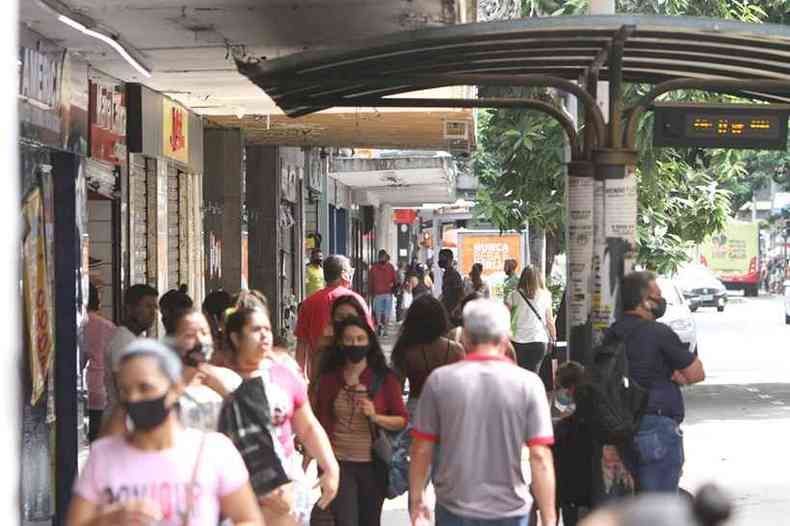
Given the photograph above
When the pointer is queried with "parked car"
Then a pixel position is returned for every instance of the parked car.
(693, 300)
(678, 316)
(787, 302)
(698, 280)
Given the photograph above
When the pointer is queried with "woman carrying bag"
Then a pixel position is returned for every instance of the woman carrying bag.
(358, 396)
(532, 320)
(160, 473)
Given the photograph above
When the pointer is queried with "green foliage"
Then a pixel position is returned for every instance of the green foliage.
(685, 195)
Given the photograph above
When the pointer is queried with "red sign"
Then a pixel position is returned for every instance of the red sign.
(404, 216)
(108, 122)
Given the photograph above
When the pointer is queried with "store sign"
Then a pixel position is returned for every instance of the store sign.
(43, 95)
(404, 216)
(108, 122)
(38, 294)
(175, 135)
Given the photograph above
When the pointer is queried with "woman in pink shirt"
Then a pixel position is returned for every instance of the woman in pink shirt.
(96, 334)
(250, 346)
(160, 473)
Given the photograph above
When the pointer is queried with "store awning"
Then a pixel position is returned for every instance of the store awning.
(655, 49)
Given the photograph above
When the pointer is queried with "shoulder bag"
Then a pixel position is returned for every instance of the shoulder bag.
(190, 504)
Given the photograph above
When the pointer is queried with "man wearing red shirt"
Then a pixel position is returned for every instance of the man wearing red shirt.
(316, 311)
(381, 281)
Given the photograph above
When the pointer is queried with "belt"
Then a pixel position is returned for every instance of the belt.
(660, 412)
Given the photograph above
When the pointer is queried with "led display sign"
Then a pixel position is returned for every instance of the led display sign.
(755, 126)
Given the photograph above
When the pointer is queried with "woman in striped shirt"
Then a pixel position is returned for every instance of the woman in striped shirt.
(356, 393)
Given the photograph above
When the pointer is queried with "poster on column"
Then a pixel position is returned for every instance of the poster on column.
(600, 314)
(580, 246)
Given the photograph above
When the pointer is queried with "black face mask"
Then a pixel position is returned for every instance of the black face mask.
(199, 354)
(442, 263)
(354, 353)
(148, 414)
(317, 262)
(659, 307)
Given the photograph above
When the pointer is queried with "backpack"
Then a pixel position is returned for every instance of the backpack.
(612, 401)
(246, 419)
(395, 446)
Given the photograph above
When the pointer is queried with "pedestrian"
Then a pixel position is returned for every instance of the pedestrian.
(314, 314)
(437, 275)
(452, 283)
(457, 317)
(343, 308)
(408, 292)
(160, 472)
(96, 334)
(205, 385)
(314, 273)
(357, 394)
(140, 308)
(423, 346)
(382, 280)
(481, 411)
(532, 321)
(424, 284)
(288, 412)
(659, 362)
(511, 280)
(173, 301)
(214, 307)
(573, 447)
(475, 282)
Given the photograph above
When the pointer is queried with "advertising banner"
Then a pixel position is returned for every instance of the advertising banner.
(37, 294)
(491, 249)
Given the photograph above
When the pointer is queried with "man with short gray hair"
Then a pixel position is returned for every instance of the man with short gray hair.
(482, 411)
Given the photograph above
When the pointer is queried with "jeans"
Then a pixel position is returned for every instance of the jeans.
(659, 449)
(445, 518)
(530, 355)
(382, 308)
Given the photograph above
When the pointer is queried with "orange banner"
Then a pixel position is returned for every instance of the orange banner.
(38, 295)
(489, 249)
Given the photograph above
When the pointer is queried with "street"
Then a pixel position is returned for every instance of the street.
(738, 420)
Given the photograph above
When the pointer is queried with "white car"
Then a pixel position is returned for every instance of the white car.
(787, 302)
(678, 316)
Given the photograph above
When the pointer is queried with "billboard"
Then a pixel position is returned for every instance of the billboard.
(733, 253)
(491, 249)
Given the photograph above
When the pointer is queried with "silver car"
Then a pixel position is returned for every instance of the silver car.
(678, 316)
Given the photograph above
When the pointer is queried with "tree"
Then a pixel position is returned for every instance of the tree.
(685, 194)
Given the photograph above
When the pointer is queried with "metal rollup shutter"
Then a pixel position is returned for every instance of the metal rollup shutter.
(173, 228)
(138, 191)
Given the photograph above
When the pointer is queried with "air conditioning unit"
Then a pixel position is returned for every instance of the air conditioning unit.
(456, 130)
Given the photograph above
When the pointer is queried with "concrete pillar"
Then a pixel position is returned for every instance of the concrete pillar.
(384, 228)
(615, 243)
(263, 205)
(222, 207)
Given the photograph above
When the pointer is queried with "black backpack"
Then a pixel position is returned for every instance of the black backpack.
(246, 419)
(611, 401)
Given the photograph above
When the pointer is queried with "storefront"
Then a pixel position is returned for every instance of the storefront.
(165, 193)
(53, 115)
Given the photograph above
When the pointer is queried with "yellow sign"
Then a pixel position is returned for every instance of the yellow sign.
(175, 131)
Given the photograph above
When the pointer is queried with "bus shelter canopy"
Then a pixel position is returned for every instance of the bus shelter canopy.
(655, 49)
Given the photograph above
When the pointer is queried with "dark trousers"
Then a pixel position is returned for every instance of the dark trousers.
(94, 423)
(360, 495)
(530, 355)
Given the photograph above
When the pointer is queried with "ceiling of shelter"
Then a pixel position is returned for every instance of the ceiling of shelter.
(185, 43)
(393, 129)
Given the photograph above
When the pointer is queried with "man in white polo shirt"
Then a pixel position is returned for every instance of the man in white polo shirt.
(482, 411)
